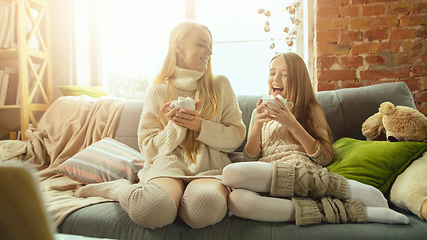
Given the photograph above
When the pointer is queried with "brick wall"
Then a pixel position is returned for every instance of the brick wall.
(365, 42)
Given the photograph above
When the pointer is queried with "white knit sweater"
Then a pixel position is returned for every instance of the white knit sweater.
(162, 147)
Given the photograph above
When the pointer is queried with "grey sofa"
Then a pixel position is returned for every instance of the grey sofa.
(345, 109)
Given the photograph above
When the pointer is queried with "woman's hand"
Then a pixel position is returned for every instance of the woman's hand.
(189, 118)
(282, 115)
(169, 112)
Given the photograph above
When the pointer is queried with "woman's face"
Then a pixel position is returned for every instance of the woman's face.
(194, 53)
(278, 77)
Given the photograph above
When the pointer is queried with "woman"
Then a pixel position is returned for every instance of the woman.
(184, 150)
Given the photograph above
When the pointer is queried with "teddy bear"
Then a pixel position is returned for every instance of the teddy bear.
(395, 123)
(400, 123)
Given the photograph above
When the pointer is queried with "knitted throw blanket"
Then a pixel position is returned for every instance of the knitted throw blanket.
(67, 127)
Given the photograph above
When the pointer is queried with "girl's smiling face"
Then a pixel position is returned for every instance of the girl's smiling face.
(195, 52)
(278, 77)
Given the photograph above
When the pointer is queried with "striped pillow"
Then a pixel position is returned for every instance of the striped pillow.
(103, 161)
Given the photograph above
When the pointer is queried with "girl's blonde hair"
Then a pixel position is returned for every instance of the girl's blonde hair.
(207, 89)
(299, 91)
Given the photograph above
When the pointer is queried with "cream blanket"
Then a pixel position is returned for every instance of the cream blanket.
(67, 127)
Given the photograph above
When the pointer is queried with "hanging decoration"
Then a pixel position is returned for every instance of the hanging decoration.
(290, 33)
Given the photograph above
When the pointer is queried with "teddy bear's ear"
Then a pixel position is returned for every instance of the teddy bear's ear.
(387, 108)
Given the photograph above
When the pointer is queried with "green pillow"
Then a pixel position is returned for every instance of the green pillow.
(91, 91)
(376, 163)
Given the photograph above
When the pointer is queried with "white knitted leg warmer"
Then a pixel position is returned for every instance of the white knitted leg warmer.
(201, 206)
(150, 205)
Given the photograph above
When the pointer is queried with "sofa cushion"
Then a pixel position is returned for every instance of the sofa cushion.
(376, 163)
(103, 161)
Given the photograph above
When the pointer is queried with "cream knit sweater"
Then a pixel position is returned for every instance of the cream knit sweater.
(162, 147)
(277, 144)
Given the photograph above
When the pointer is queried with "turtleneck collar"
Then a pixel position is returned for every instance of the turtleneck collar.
(186, 79)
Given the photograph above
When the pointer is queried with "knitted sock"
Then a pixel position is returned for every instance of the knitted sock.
(251, 205)
(367, 195)
(385, 215)
(201, 206)
(254, 176)
(105, 189)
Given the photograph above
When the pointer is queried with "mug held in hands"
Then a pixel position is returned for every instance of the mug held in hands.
(271, 99)
(184, 102)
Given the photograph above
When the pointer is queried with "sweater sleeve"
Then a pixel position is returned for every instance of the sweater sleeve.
(153, 139)
(321, 156)
(228, 133)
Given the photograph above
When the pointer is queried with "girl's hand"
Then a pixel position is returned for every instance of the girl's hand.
(282, 115)
(169, 112)
(261, 116)
(189, 118)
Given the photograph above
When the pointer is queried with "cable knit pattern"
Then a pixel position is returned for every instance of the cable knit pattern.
(277, 144)
(162, 147)
(329, 210)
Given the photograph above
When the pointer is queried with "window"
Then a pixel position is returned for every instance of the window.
(133, 38)
(133, 42)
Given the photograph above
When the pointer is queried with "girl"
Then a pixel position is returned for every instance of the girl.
(298, 143)
(184, 150)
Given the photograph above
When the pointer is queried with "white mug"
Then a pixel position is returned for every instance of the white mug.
(183, 104)
(289, 105)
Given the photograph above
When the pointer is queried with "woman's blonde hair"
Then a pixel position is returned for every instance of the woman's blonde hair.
(299, 91)
(207, 89)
